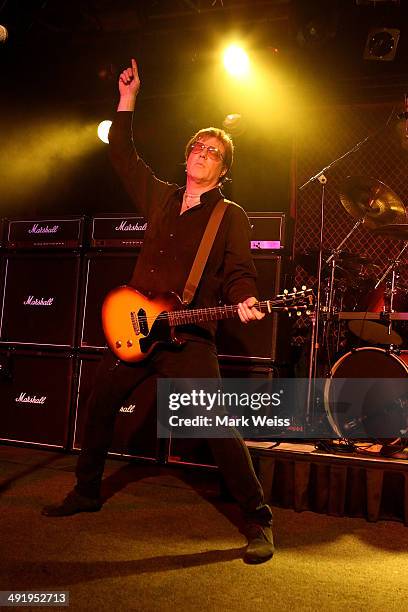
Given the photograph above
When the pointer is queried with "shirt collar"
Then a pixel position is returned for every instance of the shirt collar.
(208, 197)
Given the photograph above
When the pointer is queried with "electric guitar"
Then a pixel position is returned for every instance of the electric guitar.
(134, 325)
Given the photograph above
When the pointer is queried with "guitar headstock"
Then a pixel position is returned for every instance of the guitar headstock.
(299, 301)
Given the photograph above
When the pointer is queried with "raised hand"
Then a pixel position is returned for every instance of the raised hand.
(129, 85)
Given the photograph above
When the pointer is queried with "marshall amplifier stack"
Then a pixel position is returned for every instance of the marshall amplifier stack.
(39, 299)
(267, 341)
(114, 243)
(54, 275)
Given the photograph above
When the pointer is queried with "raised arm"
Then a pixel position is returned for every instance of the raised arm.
(144, 188)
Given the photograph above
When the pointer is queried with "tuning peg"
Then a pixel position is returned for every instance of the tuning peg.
(294, 290)
(285, 292)
(298, 313)
(303, 287)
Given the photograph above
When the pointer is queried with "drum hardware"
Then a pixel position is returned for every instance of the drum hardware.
(393, 268)
(347, 263)
(378, 207)
(385, 299)
(374, 208)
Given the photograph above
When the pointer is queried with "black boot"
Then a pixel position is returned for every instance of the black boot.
(260, 543)
(72, 504)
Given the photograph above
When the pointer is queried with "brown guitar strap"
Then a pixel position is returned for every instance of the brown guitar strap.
(204, 250)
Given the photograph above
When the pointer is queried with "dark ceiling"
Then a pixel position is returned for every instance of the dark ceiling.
(65, 47)
(64, 56)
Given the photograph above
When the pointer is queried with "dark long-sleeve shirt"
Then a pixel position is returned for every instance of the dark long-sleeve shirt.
(171, 240)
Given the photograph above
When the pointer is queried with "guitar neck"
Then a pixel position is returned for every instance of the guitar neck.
(195, 315)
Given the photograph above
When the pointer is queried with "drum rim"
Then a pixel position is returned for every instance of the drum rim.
(326, 389)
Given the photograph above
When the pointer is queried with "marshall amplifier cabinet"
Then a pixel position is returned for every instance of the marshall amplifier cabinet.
(46, 233)
(197, 451)
(117, 231)
(35, 397)
(39, 299)
(268, 231)
(268, 339)
(135, 427)
(102, 272)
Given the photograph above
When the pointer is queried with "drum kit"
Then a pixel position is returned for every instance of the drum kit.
(363, 309)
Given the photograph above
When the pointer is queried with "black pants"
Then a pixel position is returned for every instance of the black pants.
(114, 383)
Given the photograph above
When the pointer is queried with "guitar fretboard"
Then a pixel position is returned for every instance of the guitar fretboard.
(181, 317)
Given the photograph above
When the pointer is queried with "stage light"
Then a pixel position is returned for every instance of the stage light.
(236, 61)
(234, 124)
(103, 130)
(3, 34)
(381, 44)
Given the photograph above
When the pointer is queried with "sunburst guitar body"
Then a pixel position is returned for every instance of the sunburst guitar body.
(135, 325)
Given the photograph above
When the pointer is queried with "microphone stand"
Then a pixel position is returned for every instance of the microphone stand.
(314, 344)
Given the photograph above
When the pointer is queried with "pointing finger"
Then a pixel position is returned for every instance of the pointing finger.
(134, 67)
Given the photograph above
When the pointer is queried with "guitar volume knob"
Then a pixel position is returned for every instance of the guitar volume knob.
(129, 343)
(118, 344)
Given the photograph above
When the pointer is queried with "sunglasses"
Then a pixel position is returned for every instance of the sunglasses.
(212, 152)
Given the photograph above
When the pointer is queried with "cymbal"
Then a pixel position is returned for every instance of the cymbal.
(371, 200)
(395, 231)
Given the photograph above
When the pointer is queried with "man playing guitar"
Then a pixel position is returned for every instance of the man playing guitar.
(177, 218)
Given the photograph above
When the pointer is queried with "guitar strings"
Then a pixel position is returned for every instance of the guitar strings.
(227, 309)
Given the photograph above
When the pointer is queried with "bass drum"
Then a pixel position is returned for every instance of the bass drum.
(376, 408)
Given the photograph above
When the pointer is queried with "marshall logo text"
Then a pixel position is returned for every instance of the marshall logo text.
(129, 408)
(32, 301)
(23, 398)
(46, 229)
(125, 226)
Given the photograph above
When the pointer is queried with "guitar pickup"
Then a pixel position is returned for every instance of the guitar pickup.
(142, 322)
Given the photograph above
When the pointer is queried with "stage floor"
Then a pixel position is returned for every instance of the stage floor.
(339, 483)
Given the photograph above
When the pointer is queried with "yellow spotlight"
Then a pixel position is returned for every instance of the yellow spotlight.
(103, 130)
(236, 61)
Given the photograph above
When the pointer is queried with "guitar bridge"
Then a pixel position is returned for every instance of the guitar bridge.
(135, 323)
